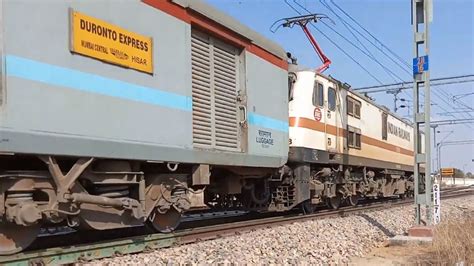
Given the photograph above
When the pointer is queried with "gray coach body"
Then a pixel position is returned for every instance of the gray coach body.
(59, 103)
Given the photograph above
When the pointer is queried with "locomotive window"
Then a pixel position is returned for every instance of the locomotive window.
(357, 140)
(290, 90)
(353, 139)
(357, 109)
(318, 94)
(384, 126)
(291, 85)
(331, 99)
(350, 139)
(350, 106)
(353, 107)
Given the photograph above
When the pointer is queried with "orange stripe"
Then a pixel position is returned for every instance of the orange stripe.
(307, 123)
(169, 8)
(216, 29)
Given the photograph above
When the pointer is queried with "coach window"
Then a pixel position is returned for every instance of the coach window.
(353, 107)
(318, 94)
(331, 99)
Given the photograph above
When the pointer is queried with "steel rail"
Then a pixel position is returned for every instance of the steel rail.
(146, 243)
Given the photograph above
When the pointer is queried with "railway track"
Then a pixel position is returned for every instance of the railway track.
(150, 242)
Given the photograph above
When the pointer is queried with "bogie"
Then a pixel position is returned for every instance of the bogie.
(90, 194)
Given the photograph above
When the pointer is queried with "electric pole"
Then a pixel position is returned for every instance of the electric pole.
(395, 93)
(421, 18)
(434, 146)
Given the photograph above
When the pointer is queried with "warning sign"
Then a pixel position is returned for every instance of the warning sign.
(104, 41)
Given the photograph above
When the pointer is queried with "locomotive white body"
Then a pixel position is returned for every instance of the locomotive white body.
(330, 123)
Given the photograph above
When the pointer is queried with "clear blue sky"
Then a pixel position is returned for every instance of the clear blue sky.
(452, 51)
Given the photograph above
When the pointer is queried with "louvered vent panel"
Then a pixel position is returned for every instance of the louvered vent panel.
(214, 85)
(225, 82)
(201, 91)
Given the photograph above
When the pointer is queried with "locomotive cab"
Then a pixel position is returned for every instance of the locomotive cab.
(315, 105)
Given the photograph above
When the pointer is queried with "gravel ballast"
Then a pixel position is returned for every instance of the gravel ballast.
(330, 240)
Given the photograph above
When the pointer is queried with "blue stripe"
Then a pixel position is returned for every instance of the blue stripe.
(267, 122)
(59, 76)
(64, 77)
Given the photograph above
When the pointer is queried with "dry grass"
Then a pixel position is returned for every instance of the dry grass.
(453, 242)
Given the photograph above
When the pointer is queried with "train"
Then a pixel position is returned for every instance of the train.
(115, 115)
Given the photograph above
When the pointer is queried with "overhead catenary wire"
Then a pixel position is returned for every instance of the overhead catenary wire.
(351, 29)
(354, 45)
(367, 53)
(400, 59)
(337, 46)
(445, 94)
(323, 2)
(347, 25)
(399, 64)
(458, 96)
(433, 82)
(442, 108)
(371, 35)
(458, 100)
(453, 122)
(397, 57)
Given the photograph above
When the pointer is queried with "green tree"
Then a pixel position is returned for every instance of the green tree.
(458, 173)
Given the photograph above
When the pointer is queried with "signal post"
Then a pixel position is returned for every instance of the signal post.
(421, 18)
(421, 14)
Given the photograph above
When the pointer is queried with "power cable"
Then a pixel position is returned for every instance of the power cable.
(365, 53)
(368, 54)
(433, 82)
(375, 38)
(336, 45)
(347, 25)
(352, 28)
(368, 32)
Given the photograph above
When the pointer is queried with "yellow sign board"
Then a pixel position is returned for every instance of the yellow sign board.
(447, 171)
(104, 41)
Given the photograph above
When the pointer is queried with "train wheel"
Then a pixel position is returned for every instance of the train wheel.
(353, 200)
(308, 207)
(166, 222)
(15, 238)
(334, 202)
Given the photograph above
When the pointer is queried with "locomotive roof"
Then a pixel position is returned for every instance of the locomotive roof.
(364, 97)
(229, 22)
(370, 100)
